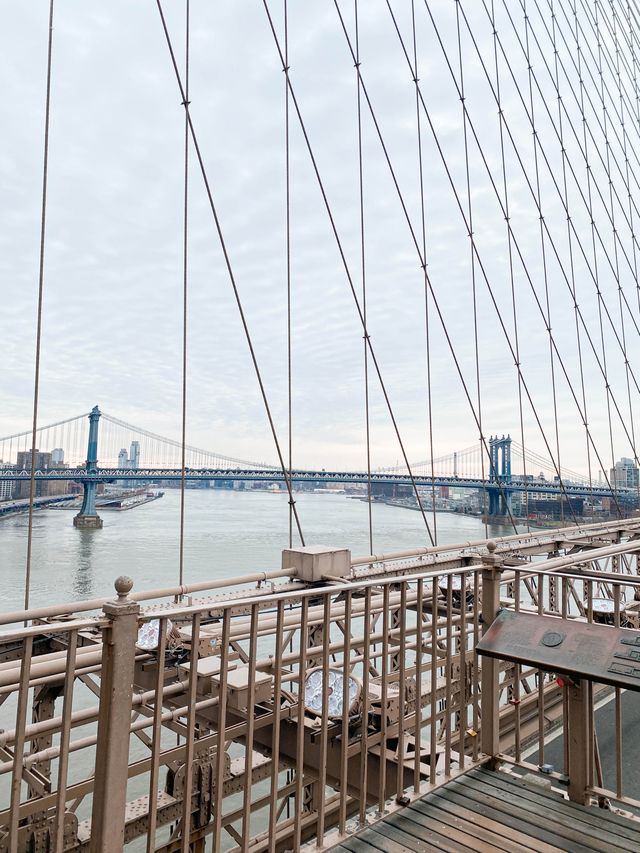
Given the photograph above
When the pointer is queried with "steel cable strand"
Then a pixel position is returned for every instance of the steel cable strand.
(622, 326)
(408, 219)
(288, 252)
(569, 237)
(594, 25)
(535, 137)
(586, 127)
(580, 104)
(560, 195)
(466, 223)
(625, 139)
(509, 242)
(217, 458)
(481, 265)
(345, 265)
(602, 303)
(364, 286)
(547, 231)
(185, 280)
(36, 379)
(580, 30)
(423, 235)
(473, 259)
(230, 272)
(595, 258)
(459, 204)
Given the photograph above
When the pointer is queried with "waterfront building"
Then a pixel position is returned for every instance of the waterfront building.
(624, 475)
(134, 455)
(57, 457)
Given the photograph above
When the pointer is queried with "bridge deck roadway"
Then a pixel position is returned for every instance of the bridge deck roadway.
(102, 475)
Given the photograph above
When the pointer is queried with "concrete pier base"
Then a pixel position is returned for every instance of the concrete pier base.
(87, 522)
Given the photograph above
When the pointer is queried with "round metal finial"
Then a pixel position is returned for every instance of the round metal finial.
(491, 546)
(123, 587)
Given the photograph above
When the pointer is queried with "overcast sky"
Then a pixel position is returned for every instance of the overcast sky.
(112, 321)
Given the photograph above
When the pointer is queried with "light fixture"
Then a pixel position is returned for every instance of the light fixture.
(313, 692)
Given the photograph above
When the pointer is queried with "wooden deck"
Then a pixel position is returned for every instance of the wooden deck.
(485, 810)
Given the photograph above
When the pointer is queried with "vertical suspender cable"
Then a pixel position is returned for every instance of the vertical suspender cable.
(593, 240)
(288, 240)
(472, 249)
(543, 248)
(416, 79)
(364, 277)
(227, 262)
(569, 237)
(36, 382)
(185, 259)
(607, 145)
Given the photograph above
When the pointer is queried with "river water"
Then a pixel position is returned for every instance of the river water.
(228, 533)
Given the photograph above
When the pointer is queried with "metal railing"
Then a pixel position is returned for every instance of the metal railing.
(276, 715)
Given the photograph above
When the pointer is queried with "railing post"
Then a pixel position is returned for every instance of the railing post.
(580, 741)
(490, 668)
(114, 722)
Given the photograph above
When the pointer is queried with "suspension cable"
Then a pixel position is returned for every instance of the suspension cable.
(185, 260)
(423, 234)
(36, 381)
(364, 282)
(472, 252)
(347, 270)
(232, 279)
(287, 155)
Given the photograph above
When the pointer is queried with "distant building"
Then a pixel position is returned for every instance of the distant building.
(624, 475)
(6, 486)
(123, 458)
(134, 455)
(43, 488)
(43, 460)
(57, 457)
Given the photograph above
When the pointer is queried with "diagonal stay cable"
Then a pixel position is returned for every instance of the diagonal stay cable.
(552, 242)
(413, 234)
(230, 272)
(345, 264)
(480, 263)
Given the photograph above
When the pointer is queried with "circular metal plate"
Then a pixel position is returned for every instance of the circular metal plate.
(552, 638)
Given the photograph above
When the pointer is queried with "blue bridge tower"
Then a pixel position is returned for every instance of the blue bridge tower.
(499, 475)
(88, 517)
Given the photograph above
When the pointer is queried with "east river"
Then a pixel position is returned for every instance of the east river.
(227, 533)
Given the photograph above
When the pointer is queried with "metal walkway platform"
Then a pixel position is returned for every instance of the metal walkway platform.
(485, 811)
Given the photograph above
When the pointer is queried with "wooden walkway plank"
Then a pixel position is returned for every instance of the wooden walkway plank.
(508, 818)
(483, 828)
(547, 801)
(465, 835)
(358, 844)
(589, 814)
(402, 828)
(565, 826)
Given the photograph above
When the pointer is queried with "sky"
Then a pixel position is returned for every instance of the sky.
(113, 278)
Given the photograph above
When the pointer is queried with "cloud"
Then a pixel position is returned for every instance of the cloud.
(112, 326)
